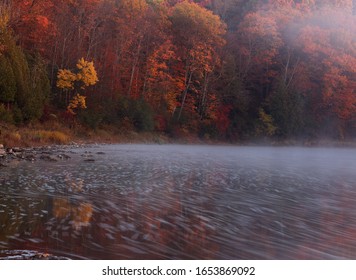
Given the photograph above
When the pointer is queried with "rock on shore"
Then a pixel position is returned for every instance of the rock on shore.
(49, 153)
(46, 153)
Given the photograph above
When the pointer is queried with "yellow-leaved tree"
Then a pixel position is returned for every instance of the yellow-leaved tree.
(86, 73)
(74, 83)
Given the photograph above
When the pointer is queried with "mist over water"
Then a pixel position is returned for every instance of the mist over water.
(183, 202)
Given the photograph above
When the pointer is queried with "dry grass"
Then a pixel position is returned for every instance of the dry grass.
(11, 139)
(12, 136)
(45, 136)
(54, 132)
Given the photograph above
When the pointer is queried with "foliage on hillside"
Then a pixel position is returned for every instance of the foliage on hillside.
(231, 70)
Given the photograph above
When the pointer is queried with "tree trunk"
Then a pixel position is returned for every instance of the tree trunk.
(204, 96)
(187, 85)
(134, 65)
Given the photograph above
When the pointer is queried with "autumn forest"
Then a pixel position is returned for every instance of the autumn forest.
(233, 70)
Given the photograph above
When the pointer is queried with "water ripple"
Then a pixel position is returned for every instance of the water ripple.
(183, 202)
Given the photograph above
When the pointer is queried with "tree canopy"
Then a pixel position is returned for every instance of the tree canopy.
(227, 69)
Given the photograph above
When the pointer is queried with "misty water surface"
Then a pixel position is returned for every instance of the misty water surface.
(183, 202)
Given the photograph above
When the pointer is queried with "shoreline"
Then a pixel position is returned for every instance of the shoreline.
(20, 142)
(52, 152)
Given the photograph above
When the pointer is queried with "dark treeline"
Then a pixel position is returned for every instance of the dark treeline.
(225, 69)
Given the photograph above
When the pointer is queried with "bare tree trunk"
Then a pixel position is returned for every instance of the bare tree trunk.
(288, 72)
(63, 51)
(187, 85)
(134, 65)
(204, 96)
(54, 56)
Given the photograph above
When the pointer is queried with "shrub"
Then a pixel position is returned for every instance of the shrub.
(265, 125)
(91, 118)
(137, 111)
(208, 130)
(142, 115)
(5, 115)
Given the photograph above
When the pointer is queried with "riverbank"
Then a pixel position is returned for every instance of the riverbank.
(50, 142)
(49, 134)
(57, 134)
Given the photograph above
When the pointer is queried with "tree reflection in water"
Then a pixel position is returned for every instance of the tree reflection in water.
(139, 202)
(80, 215)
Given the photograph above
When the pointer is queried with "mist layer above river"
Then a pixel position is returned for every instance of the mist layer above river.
(183, 202)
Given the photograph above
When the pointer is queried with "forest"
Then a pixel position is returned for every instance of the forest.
(233, 70)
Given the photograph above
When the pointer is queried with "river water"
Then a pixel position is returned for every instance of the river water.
(183, 202)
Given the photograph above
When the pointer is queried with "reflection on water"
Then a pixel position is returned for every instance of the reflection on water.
(79, 215)
(183, 202)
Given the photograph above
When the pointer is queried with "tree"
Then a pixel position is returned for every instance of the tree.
(162, 88)
(328, 44)
(197, 50)
(7, 81)
(39, 85)
(68, 81)
(259, 40)
(24, 83)
(266, 126)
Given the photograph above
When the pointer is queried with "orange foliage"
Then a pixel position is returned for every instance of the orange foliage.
(172, 53)
(329, 42)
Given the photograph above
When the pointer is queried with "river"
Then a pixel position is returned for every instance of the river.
(182, 202)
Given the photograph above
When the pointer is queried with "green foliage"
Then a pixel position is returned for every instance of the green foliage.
(208, 130)
(92, 117)
(23, 81)
(142, 115)
(7, 80)
(17, 114)
(234, 93)
(5, 115)
(123, 107)
(138, 112)
(39, 87)
(287, 110)
(265, 124)
(22, 77)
